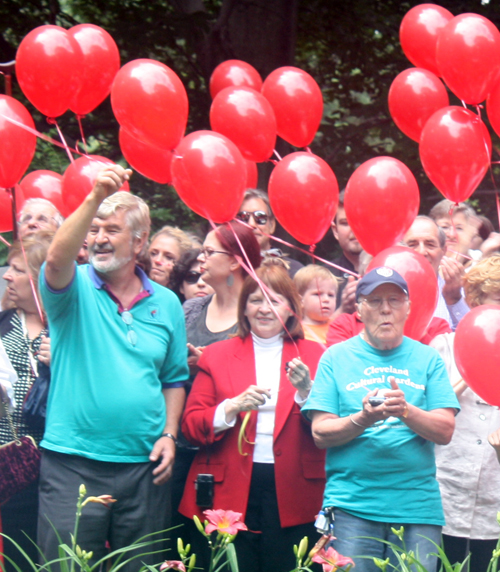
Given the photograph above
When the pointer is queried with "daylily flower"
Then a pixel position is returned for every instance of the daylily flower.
(173, 565)
(106, 500)
(224, 521)
(332, 560)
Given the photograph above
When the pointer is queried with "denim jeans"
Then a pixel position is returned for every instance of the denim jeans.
(349, 529)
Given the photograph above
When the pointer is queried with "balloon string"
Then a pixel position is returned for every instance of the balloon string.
(6, 242)
(32, 284)
(40, 135)
(278, 155)
(327, 262)
(498, 208)
(460, 254)
(308, 149)
(52, 121)
(265, 290)
(79, 119)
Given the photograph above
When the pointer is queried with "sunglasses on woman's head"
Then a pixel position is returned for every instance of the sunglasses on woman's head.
(260, 217)
(192, 277)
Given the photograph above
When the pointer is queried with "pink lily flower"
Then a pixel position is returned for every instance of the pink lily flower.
(106, 500)
(224, 521)
(173, 565)
(332, 560)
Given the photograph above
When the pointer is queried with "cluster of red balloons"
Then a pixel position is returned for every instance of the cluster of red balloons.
(60, 69)
(455, 146)
(211, 169)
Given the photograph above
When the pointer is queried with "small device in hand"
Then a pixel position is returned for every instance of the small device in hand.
(376, 400)
(204, 486)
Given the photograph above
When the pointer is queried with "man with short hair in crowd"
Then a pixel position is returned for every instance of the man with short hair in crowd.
(349, 259)
(118, 371)
(256, 211)
(378, 404)
(427, 238)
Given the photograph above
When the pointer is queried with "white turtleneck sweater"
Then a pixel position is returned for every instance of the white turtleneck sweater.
(267, 367)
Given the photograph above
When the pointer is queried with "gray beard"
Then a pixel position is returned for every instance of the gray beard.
(111, 265)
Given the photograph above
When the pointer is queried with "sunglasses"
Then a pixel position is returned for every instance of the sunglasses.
(128, 319)
(192, 277)
(260, 217)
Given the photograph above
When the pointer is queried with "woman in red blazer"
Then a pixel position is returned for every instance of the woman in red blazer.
(278, 478)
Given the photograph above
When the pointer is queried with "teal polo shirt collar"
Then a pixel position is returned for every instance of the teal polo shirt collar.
(100, 284)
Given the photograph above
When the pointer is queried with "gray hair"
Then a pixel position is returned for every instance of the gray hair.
(258, 194)
(58, 217)
(136, 214)
(441, 233)
(442, 209)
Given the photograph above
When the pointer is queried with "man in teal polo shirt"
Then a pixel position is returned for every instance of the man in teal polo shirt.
(118, 371)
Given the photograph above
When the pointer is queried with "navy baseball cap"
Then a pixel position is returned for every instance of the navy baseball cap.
(377, 277)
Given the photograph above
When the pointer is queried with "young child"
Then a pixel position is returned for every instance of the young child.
(317, 287)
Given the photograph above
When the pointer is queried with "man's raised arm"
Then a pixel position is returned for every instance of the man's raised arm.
(68, 240)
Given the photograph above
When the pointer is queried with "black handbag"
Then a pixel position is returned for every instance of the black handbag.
(19, 463)
(35, 402)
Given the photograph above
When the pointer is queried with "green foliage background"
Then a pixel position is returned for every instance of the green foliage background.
(351, 48)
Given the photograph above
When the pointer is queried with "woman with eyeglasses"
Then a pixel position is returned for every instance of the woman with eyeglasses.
(226, 252)
(271, 471)
(23, 334)
(186, 280)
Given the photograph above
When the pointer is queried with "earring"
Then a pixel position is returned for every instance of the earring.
(230, 280)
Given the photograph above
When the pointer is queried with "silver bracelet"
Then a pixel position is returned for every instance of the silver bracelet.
(355, 423)
(170, 436)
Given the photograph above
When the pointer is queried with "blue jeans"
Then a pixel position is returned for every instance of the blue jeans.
(349, 529)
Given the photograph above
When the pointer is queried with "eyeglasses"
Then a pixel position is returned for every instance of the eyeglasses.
(207, 252)
(260, 217)
(395, 302)
(192, 277)
(42, 219)
(128, 319)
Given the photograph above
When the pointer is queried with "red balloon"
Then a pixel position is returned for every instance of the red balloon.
(101, 62)
(468, 56)
(17, 145)
(304, 196)
(149, 100)
(234, 73)
(455, 150)
(247, 118)
(414, 96)
(297, 102)
(79, 179)
(252, 174)
(381, 202)
(48, 63)
(422, 285)
(476, 348)
(45, 185)
(419, 32)
(147, 159)
(209, 174)
(493, 107)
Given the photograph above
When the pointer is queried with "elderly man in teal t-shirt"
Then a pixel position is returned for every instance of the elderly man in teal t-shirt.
(379, 403)
(119, 364)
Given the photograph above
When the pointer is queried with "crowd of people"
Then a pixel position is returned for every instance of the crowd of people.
(190, 373)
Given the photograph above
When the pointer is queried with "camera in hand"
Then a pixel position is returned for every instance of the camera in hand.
(375, 400)
(204, 486)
